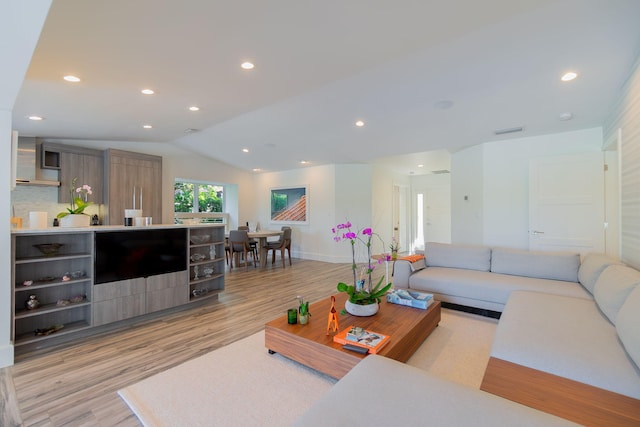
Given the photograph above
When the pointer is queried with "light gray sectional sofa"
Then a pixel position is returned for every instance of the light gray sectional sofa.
(484, 277)
(567, 344)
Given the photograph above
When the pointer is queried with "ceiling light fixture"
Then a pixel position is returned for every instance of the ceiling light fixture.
(194, 108)
(565, 116)
(256, 169)
(147, 91)
(147, 126)
(247, 65)
(36, 118)
(420, 166)
(72, 79)
(245, 150)
(359, 123)
(303, 162)
(567, 77)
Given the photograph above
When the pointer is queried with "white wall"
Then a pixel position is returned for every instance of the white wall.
(467, 196)
(337, 193)
(19, 33)
(496, 177)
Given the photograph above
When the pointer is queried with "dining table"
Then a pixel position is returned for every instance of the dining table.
(262, 236)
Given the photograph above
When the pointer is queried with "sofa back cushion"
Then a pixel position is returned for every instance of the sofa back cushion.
(458, 256)
(628, 325)
(592, 266)
(613, 287)
(541, 265)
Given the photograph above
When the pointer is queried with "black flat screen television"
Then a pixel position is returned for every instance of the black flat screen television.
(121, 255)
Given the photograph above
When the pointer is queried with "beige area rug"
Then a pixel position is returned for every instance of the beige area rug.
(242, 384)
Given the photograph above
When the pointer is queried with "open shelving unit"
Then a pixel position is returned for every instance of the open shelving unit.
(206, 261)
(62, 282)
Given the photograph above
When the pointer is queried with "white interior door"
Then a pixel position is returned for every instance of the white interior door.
(566, 203)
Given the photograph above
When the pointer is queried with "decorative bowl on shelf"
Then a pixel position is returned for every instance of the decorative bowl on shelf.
(199, 239)
(198, 257)
(49, 249)
(208, 271)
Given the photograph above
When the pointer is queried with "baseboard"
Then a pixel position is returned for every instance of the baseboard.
(473, 310)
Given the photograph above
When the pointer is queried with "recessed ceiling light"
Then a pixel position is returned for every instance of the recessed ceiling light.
(565, 116)
(35, 118)
(420, 166)
(72, 79)
(194, 108)
(247, 65)
(567, 77)
(147, 126)
(256, 169)
(303, 162)
(245, 150)
(359, 123)
(147, 91)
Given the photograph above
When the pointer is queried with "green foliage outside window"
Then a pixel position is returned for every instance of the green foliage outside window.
(209, 197)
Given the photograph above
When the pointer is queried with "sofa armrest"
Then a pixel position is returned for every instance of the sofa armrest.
(401, 272)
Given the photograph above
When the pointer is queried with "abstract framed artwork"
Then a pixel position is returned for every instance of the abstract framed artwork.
(290, 205)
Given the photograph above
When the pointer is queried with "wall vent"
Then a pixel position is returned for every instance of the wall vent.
(508, 130)
(439, 171)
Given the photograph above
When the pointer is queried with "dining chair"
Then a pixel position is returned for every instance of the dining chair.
(281, 245)
(239, 243)
(252, 242)
(227, 250)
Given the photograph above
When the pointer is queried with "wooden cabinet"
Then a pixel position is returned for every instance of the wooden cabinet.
(61, 282)
(87, 167)
(167, 291)
(206, 261)
(119, 300)
(124, 171)
(69, 301)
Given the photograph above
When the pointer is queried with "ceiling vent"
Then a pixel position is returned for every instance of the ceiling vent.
(439, 171)
(508, 130)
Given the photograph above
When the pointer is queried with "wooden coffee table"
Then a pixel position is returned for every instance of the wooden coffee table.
(310, 345)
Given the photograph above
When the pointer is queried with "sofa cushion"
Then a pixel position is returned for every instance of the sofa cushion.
(458, 256)
(383, 392)
(612, 288)
(486, 286)
(541, 265)
(628, 325)
(565, 336)
(591, 267)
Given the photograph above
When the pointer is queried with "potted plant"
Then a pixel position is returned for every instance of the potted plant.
(363, 296)
(395, 247)
(303, 311)
(75, 216)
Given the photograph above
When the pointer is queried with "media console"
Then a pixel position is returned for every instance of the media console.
(84, 278)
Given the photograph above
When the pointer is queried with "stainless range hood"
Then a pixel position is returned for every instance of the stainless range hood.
(28, 171)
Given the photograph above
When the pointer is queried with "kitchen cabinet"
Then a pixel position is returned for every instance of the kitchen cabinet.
(206, 261)
(86, 165)
(126, 171)
(72, 299)
(61, 281)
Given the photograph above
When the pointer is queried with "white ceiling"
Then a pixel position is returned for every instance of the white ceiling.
(320, 66)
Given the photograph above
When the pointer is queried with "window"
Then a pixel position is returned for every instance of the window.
(190, 196)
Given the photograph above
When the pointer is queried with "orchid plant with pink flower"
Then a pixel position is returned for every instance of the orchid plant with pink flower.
(358, 292)
(79, 199)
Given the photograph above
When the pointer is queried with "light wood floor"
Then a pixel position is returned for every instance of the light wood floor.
(76, 385)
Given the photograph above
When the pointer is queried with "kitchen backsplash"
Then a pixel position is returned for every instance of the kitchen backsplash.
(25, 199)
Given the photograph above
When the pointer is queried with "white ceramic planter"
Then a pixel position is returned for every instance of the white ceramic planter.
(361, 310)
(75, 220)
